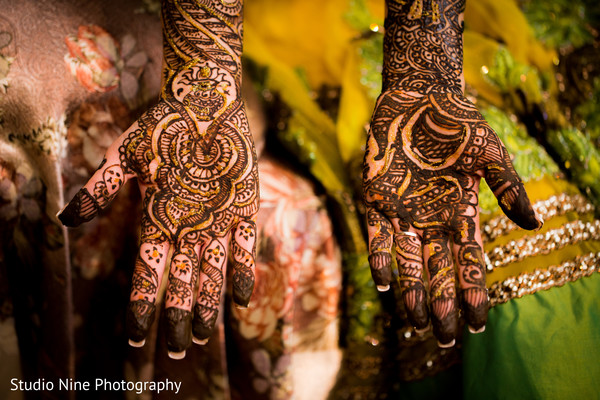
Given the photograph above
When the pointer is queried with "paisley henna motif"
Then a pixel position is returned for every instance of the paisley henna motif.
(194, 159)
(427, 149)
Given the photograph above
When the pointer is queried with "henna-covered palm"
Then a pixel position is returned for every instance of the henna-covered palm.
(195, 163)
(427, 150)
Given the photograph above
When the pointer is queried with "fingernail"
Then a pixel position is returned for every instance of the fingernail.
(177, 355)
(473, 330)
(133, 343)
(447, 345)
(239, 307)
(540, 220)
(383, 288)
(201, 342)
(421, 331)
(61, 210)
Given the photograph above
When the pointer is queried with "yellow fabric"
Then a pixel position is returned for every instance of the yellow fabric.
(289, 85)
(303, 34)
(299, 39)
(292, 51)
(504, 22)
(479, 52)
(355, 110)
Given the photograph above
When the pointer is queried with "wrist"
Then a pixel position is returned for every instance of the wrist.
(202, 46)
(423, 45)
(196, 33)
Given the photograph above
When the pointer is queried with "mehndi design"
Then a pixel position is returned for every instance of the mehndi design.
(427, 149)
(195, 163)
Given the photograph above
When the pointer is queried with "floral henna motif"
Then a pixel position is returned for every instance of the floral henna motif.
(183, 273)
(145, 278)
(426, 151)
(194, 160)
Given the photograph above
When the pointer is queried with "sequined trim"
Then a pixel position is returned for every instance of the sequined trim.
(543, 243)
(543, 279)
(547, 209)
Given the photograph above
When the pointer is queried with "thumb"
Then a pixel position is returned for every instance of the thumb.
(508, 188)
(97, 193)
(106, 182)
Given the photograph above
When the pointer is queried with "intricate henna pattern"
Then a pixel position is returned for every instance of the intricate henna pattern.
(145, 277)
(211, 286)
(194, 159)
(410, 268)
(427, 149)
(423, 45)
(243, 247)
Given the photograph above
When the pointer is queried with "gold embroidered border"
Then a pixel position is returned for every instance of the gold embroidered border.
(543, 243)
(551, 207)
(543, 279)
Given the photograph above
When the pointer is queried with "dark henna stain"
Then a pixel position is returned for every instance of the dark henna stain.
(516, 205)
(82, 208)
(446, 328)
(204, 321)
(139, 318)
(381, 270)
(179, 329)
(243, 285)
(416, 306)
(475, 314)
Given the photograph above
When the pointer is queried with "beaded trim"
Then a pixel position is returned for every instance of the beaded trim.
(543, 279)
(543, 243)
(547, 209)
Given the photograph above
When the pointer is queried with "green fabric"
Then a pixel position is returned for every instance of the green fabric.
(542, 346)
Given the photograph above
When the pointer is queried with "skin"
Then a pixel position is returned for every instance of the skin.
(427, 149)
(195, 163)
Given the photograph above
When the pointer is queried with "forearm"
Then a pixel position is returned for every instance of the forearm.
(423, 45)
(206, 33)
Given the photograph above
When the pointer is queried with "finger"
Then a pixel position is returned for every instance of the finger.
(506, 184)
(99, 191)
(206, 310)
(243, 248)
(147, 277)
(410, 267)
(468, 253)
(179, 297)
(380, 233)
(442, 285)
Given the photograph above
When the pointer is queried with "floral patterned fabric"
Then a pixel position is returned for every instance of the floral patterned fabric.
(68, 88)
(295, 305)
